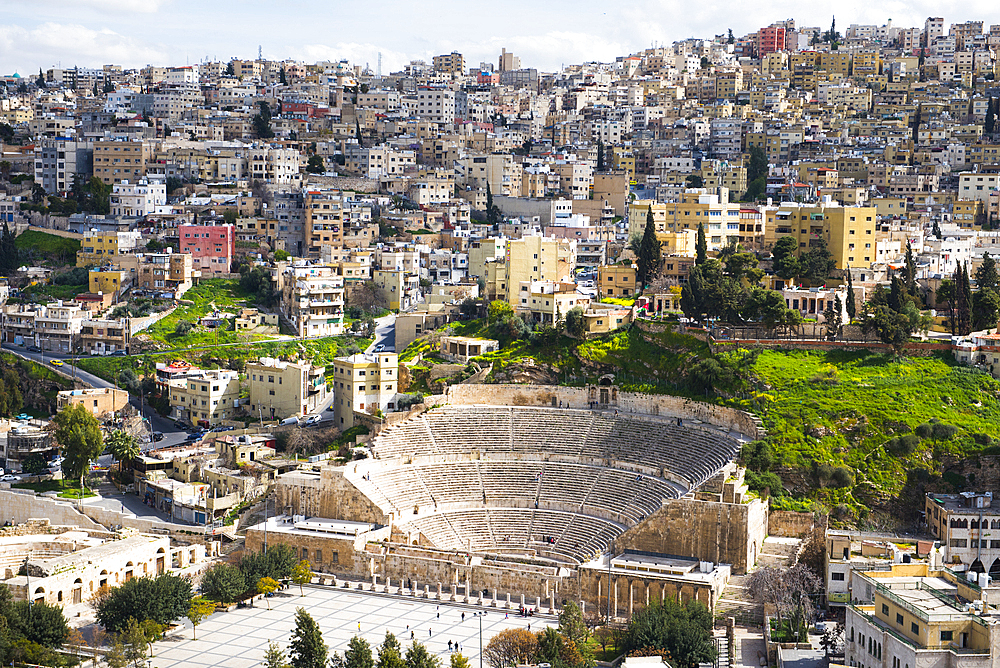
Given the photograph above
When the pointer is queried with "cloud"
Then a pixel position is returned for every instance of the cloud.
(70, 44)
(134, 6)
(357, 54)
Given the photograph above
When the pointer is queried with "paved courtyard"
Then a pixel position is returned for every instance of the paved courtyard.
(239, 639)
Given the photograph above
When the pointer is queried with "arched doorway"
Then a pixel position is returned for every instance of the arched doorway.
(995, 569)
(39, 595)
(128, 571)
(977, 567)
(78, 591)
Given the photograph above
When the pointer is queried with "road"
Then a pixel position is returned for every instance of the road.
(385, 334)
(172, 435)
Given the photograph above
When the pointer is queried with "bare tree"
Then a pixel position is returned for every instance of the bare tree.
(787, 591)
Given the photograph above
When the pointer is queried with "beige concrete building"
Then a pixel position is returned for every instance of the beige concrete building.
(849, 231)
(103, 336)
(252, 321)
(280, 389)
(462, 348)
(364, 383)
(99, 401)
(548, 302)
(535, 259)
(205, 398)
(117, 161)
(616, 281)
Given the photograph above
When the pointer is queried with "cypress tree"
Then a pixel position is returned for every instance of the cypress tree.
(911, 271)
(649, 252)
(701, 247)
(967, 298)
(852, 309)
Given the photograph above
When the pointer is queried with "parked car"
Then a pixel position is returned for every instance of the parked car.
(380, 347)
(10, 477)
(194, 436)
(180, 425)
(311, 419)
(119, 353)
(34, 349)
(291, 420)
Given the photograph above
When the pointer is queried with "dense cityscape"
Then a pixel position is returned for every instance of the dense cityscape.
(687, 358)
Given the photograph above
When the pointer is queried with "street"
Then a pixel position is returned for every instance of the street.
(385, 334)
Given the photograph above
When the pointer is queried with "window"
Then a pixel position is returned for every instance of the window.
(885, 609)
(838, 577)
(899, 619)
(914, 628)
(946, 636)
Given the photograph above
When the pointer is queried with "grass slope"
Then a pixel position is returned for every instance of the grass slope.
(48, 247)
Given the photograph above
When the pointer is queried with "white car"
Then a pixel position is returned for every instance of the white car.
(311, 419)
(10, 478)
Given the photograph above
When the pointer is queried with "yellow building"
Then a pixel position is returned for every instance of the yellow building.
(106, 281)
(205, 398)
(623, 160)
(835, 62)
(535, 259)
(720, 218)
(848, 230)
(616, 281)
(363, 383)
(968, 213)
(867, 62)
(280, 389)
(101, 247)
(918, 615)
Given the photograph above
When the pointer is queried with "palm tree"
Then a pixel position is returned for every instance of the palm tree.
(123, 447)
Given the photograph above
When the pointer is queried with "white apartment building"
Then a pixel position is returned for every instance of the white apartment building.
(975, 185)
(312, 299)
(274, 165)
(143, 198)
(436, 105)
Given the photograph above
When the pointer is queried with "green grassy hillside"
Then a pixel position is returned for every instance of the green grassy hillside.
(858, 434)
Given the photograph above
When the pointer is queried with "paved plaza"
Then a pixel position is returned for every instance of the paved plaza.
(239, 639)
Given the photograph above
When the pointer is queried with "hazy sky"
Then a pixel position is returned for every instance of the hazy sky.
(134, 33)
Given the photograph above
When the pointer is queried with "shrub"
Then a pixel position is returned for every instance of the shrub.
(982, 439)
(841, 476)
(923, 430)
(903, 445)
(943, 432)
(759, 481)
(182, 327)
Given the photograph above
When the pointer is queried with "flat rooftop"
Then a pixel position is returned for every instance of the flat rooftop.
(314, 526)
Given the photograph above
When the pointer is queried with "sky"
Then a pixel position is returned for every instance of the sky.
(544, 34)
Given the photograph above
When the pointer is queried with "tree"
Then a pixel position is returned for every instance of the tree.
(989, 124)
(986, 274)
(302, 574)
(498, 311)
(818, 262)
(784, 258)
(600, 155)
(223, 583)
(701, 246)
(683, 631)
(116, 656)
(571, 623)
(649, 252)
(575, 322)
(40, 82)
(787, 591)
(79, 435)
(936, 230)
(916, 123)
(136, 642)
(963, 300)
(162, 599)
(274, 657)
(833, 314)
(417, 656)
(852, 308)
(315, 165)
(36, 622)
(893, 328)
(358, 654)
(369, 296)
(199, 609)
(985, 309)
(510, 647)
(183, 327)
(357, 133)
(266, 587)
(911, 270)
(390, 654)
(282, 79)
(262, 121)
(123, 447)
(307, 649)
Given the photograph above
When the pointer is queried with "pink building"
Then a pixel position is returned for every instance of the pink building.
(212, 247)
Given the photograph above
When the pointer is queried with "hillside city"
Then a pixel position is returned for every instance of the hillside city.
(686, 359)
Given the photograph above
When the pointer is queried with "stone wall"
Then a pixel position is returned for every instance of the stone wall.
(329, 494)
(790, 523)
(726, 533)
(633, 591)
(631, 402)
